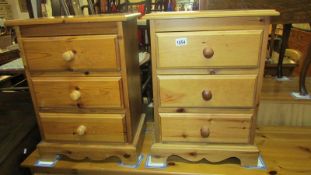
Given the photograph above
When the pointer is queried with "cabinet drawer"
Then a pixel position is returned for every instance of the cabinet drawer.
(207, 90)
(209, 49)
(78, 92)
(211, 128)
(83, 127)
(72, 53)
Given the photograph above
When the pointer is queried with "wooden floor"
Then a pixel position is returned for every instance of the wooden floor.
(285, 150)
(279, 108)
(280, 90)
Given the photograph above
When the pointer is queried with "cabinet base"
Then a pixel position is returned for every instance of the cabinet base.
(127, 153)
(247, 154)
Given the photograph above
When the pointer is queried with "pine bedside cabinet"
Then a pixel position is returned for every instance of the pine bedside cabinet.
(207, 76)
(83, 74)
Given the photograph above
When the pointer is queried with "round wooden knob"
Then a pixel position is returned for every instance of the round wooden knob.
(81, 130)
(208, 52)
(75, 95)
(205, 131)
(69, 55)
(207, 95)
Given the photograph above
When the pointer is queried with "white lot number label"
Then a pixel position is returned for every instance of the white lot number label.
(181, 42)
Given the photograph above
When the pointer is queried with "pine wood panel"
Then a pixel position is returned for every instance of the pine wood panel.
(208, 71)
(226, 90)
(95, 92)
(129, 51)
(128, 153)
(262, 56)
(247, 154)
(209, 24)
(70, 29)
(77, 73)
(229, 49)
(206, 110)
(99, 127)
(155, 81)
(210, 14)
(222, 128)
(77, 19)
(91, 53)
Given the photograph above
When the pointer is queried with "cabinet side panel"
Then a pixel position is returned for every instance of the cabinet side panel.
(132, 86)
(27, 73)
(262, 57)
(154, 57)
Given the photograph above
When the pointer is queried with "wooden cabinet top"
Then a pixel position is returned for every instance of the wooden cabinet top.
(210, 13)
(76, 19)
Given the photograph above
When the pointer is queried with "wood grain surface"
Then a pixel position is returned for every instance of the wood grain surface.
(202, 24)
(132, 76)
(228, 47)
(70, 29)
(90, 53)
(186, 90)
(221, 128)
(99, 127)
(79, 19)
(210, 14)
(95, 92)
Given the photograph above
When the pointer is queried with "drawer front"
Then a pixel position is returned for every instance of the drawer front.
(79, 92)
(83, 127)
(209, 128)
(207, 90)
(74, 53)
(209, 49)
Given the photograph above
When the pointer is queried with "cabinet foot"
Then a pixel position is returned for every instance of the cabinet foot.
(159, 159)
(247, 154)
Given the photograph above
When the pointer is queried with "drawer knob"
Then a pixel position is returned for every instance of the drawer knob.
(75, 95)
(208, 52)
(81, 130)
(205, 131)
(69, 55)
(207, 95)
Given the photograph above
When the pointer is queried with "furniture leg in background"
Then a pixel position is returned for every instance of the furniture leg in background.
(56, 8)
(39, 8)
(64, 7)
(302, 77)
(286, 33)
(271, 47)
(29, 8)
(91, 7)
